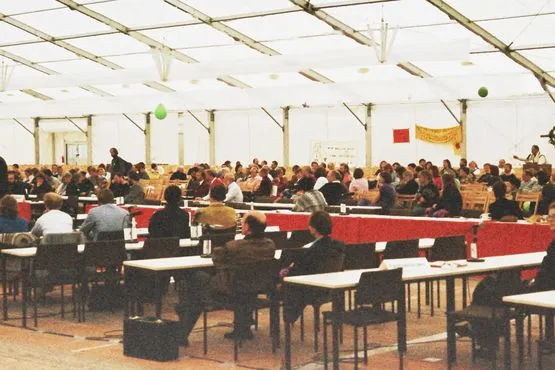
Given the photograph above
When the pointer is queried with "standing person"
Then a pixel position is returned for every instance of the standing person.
(535, 157)
(3, 177)
(172, 220)
(119, 165)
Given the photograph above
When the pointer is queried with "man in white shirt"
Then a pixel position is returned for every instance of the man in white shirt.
(535, 157)
(53, 221)
(234, 193)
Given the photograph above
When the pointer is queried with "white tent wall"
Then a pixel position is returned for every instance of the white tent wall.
(500, 129)
(117, 131)
(386, 118)
(16, 144)
(243, 135)
(195, 137)
(164, 139)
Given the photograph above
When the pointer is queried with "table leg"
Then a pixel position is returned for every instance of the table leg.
(158, 292)
(4, 287)
(287, 330)
(337, 308)
(24, 287)
(451, 339)
(507, 330)
(126, 289)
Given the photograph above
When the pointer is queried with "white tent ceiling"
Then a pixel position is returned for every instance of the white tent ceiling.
(94, 56)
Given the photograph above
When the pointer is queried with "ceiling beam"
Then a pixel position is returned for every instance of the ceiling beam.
(241, 37)
(140, 37)
(36, 94)
(478, 30)
(350, 32)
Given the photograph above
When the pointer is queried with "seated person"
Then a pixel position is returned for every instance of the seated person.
(310, 201)
(53, 221)
(118, 186)
(545, 279)
(65, 180)
(548, 193)
(9, 222)
(386, 197)
(172, 220)
(508, 175)
(502, 207)
(105, 218)
(407, 186)
(334, 190)
(427, 195)
(359, 184)
(313, 261)
(136, 194)
(450, 201)
(265, 186)
(84, 187)
(179, 174)
(203, 285)
(40, 187)
(14, 186)
(234, 193)
(217, 214)
(529, 183)
(202, 186)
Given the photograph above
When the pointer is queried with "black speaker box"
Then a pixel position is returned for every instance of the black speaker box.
(151, 338)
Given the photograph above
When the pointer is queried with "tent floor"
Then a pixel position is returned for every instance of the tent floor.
(63, 343)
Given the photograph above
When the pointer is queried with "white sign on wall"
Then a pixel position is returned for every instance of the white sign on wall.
(334, 151)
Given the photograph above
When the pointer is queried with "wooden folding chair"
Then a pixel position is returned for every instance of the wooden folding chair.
(535, 198)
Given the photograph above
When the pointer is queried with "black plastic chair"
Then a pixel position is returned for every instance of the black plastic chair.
(110, 235)
(102, 261)
(360, 256)
(301, 236)
(374, 289)
(57, 264)
(159, 248)
(278, 237)
(248, 282)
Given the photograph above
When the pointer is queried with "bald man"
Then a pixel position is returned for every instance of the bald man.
(234, 193)
(202, 285)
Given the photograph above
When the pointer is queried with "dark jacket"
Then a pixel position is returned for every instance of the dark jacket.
(170, 221)
(85, 187)
(333, 192)
(265, 187)
(182, 176)
(317, 256)
(119, 165)
(41, 190)
(17, 188)
(409, 188)
(202, 190)
(72, 190)
(504, 207)
(3, 177)
(119, 190)
(305, 183)
(545, 279)
(430, 195)
(237, 253)
(136, 195)
(388, 196)
(548, 196)
(451, 201)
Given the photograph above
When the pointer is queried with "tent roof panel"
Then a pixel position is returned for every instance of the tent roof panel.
(75, 66)
(10, 34)
(66, 93)
(14, 97)
(479, 9)
(220, 8)
(545, 58)
(126, 90)
(21, 6)
(523, 31)
(137, 13)
(491, 63)
(189, 36)
(197, 85)
(365, 73)
(275, 79)
(40, 52)
(116, 44)
(134, 61)
(314, 44)
(227, 52)
(276, 26)
(62, 22)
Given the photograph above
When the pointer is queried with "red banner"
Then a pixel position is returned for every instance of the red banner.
(401, 136)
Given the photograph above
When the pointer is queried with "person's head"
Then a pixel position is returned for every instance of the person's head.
(199, 175)
(507, 168)
(274, 165)
(387, 168)
(133, 177)
(319, 224)
(264, 171)
(385, 178)
(399, 171)
(344, 168)
(463, 162)
(333, 176)
(39, 179)
(358, 174)
(448, 180)
(180, 169)
(60, 170)
(435, 171)
(101, 171)
(499, 190)
(54, 168)
(52, 201)
(323, 165)
(253, 171)
(408, 176)
(114, 152)
(154, 167)
(306, 171)
(502, 163)
(11, 177)
(429, 165)
(486, 167)
(239, 168)
(264, 162)
(15, 167)
(255, 161)
(464, 172)
(172, 195)
(473, 165)
(494, 170)
(209, 175)
(535, 149)
(527, 176)
(8, 207)
(320, 172)
(411, 167)
(280, 172)
(117, 178)
(253, 222)
(141, 167)
(446, 163)
(82, 176)
(228, 179)
(47, 173)
(105, 196)
(66, 179)
(422, 162)
(217, 193)
(314, 165)
(395, 165)
(552, 216)
(424, 177)
(542, 178)
(331, 166)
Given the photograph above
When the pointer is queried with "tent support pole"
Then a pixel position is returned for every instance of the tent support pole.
(212, 137)
(285, 128)
(89, 141)
(36, 134)
(148, 148)
(368, 135)
(463, 122)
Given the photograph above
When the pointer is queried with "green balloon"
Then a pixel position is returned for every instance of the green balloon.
(483, 91)
(160, 112)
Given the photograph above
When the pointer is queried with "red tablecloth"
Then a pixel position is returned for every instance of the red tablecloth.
(25, 211)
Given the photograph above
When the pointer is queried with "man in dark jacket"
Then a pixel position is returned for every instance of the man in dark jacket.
(3, 177)
(119, 165)
(323, 255)
(334, 190)
(202, 285)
